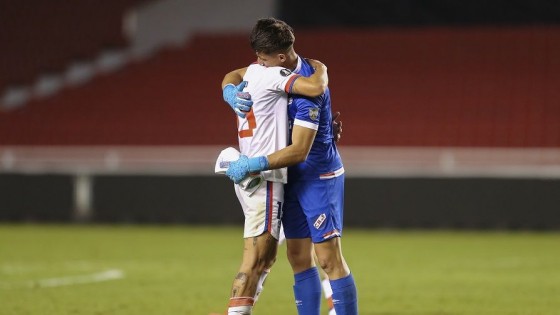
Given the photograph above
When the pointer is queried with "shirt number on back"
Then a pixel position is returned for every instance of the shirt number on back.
(252, 124)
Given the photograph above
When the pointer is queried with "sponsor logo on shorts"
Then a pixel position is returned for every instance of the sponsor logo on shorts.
(224, 164)
(320, 221)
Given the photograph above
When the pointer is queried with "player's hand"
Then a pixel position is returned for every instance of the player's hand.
(336, 127)
(240, 169)
(239, 101)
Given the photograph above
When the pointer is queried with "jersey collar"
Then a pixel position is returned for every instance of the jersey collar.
(298, 67)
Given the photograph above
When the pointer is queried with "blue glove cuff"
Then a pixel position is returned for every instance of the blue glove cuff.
(226, 92)
(257, 164)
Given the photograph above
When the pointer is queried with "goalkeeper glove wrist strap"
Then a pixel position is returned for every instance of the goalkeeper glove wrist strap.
(257, 164)
(226, 91)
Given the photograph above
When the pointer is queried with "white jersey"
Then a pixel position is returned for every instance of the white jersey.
(265, 128)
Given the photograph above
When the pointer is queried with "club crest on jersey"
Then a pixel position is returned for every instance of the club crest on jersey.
(313, 113)
(285, 72)
(320, 221)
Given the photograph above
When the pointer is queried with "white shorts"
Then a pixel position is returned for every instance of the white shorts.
(262, 209)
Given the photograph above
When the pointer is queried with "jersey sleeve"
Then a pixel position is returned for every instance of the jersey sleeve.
(308, 111)
(281, 79)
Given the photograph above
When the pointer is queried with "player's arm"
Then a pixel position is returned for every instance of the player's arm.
(302, 140)
(234, 77)
(313, 85)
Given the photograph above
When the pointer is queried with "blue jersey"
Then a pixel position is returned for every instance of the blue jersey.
(323, 161)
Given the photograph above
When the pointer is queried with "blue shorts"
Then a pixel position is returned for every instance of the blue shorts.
(314, 208)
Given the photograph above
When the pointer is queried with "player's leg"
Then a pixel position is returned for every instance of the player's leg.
(299, 260)
(262, 211)
(329, 257)
(260, 285)
(259, 255)
(307, 284)
(322, 201)
(344, 295)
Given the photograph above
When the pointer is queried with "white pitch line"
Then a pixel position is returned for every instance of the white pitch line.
(107, 275)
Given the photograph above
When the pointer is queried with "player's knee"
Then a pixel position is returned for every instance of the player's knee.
(330, 260)
(326, 263)
(299, 259)
(333, 265)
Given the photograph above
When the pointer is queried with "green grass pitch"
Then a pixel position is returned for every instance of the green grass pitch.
(48, 269)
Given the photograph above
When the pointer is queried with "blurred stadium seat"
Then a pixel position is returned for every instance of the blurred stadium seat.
(475, 87)
(45, 36)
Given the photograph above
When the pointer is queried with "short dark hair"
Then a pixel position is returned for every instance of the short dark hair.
(270, 35)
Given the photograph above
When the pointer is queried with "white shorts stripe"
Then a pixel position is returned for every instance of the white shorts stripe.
(334, 174)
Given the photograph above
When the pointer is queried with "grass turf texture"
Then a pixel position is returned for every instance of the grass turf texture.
(189, 270)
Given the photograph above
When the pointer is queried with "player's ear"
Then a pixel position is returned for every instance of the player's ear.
(282, 58)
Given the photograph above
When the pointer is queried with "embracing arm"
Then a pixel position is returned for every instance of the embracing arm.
(314, 85)
(234, 77)
(302, 140)
(311, 86)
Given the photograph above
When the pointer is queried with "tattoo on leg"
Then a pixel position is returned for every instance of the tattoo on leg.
(241, 277)
(238, 283)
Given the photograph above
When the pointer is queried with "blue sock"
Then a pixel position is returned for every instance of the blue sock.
(345, 298)
(307, 292)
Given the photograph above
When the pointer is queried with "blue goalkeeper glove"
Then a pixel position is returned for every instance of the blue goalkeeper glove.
(240, 169)
(239, 101)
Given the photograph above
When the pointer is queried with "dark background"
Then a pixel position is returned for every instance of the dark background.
(360, 13)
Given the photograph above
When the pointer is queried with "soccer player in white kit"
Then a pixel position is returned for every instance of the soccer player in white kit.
(261, 131)
(315, 191)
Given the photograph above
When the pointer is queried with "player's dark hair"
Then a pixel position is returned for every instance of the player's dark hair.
(271, 35)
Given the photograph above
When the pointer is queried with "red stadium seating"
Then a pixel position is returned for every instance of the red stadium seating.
(44, 36)
(473, 87)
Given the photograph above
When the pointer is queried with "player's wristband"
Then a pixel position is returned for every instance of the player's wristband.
(257, 164)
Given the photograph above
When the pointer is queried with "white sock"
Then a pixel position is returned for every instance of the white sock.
(240, 306)
(260, 284)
